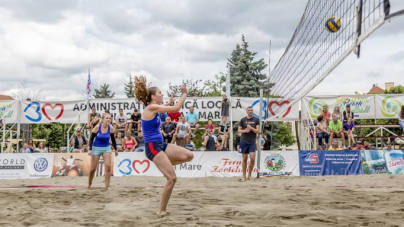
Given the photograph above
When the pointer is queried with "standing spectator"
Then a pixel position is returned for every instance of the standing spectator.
(337, 112)
(349, 127)
(168, 130)
(182, 131)
(129, 142)
(326, 114)
(401, 117)
(41, 148)
(119, 142)
(120, 121)
(24, 148)
(322, 132)
(209, 142)
(78, 142)
(135, 124)
(140, 142)
(347, 113)
(175, 117)
(267, 142)
(31, 145)
(334, 146)
(225, 106)
(336, 130)
(367, 145)
(249, 127)
(193, 119)
(93, 119)
(224, 131)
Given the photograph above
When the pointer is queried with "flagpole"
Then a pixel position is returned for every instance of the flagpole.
(228, 93)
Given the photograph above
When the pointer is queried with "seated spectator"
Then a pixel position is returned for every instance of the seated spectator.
(136, 123)
(347, 113)
(93, 119)
(210, 126)
(78, 142)
(334, 146)
(336, 129)
(162, 117)
(357, 146)
(349, 127)
(367, 145)
(401, 118)
(140, 142)
(209, 142)
(175, 117)
(129, 142)
(267, 142)
(337, 113)
(183, 131)
(168, 130)
(112, 119)
(41, 148)
(326, 114)
(119, 141)
(24, 148)
(220, 148)
(322, 132)
(31, 146)
(193, 119)
(224, 131)
(120, 121)
(388, 146)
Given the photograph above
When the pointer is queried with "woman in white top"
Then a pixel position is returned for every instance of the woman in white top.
(322, 131)
(41, 148)
(337, 112)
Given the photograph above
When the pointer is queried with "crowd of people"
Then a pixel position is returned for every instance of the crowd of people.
(331, 126)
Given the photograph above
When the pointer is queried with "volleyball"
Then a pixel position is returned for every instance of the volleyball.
(333, 24)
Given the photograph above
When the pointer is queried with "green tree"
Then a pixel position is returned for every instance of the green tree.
(40, 131)
(193, 89)
(395, 90)
(129, 88)
(103, 92)
(246, 74)
(56, 137)
(284, 135)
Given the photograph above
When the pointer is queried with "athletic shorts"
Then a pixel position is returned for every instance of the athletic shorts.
(247, 147)
(100, 150)
(154, 148)
(182, 136)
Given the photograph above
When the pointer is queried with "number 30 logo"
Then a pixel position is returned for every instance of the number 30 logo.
(37, 116)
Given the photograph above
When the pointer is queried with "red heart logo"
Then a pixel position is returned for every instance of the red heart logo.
(270, 104)
(53, 107)
(141, 163)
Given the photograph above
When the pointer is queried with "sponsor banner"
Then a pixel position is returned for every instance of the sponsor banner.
(137, 164)
(363, 106)
(20, 166)
(278, 163)
(46, 112)
(225, 164)
(72, 165)
(8, 111)
(373, 162)
(317, 163)
(388, 106)
(207, 107)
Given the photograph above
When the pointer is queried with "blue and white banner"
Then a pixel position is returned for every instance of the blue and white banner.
(383, 161)
(22, 166)
(318, 163)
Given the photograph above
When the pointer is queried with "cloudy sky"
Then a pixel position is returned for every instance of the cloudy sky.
(51, 44)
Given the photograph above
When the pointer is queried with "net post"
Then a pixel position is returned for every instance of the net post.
(259, 135)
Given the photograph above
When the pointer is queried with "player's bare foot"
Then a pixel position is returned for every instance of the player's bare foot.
(162, 214)
(242, 180)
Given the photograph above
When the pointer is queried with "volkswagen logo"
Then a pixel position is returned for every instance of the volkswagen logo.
(40, 164)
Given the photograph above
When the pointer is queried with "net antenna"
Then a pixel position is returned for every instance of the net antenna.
(314, 52)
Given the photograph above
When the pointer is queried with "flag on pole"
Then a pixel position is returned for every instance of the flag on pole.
(88, 89)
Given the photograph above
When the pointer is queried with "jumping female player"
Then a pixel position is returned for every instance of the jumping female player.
(101, 146)
(164, 155)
